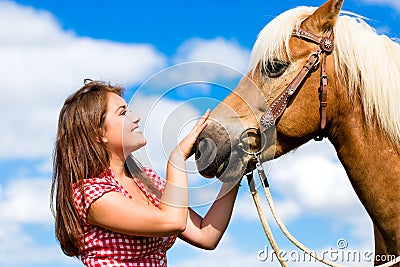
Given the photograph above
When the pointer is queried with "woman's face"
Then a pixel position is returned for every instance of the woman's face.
(122, 132)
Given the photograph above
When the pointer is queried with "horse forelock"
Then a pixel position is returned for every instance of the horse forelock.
(273, 40)
(367, 64)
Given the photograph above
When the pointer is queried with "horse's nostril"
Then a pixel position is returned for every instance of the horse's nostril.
(205, 153)
(205, 145)
(213, 149)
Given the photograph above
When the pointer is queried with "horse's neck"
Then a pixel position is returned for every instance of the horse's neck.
(372, 165)
(366, 154)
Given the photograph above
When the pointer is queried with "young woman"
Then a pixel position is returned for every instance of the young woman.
(110, 211)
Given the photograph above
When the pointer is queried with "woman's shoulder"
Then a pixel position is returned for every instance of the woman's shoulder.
(104, 178)
(94, 187)
(86, 191)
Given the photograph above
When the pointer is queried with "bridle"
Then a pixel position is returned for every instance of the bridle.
(279, 105)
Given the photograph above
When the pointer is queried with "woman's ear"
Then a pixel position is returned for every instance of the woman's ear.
(101, 138)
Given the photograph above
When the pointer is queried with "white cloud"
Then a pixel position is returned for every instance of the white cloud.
(205, 62)
(226, 254)
(218, 50)
(393, 3)
(42, 64)
(18, 248)
(245, 207)
(318, 183)
(163, 123)
(319, 186)
(192, 78)
(26, 200)
(24, 203)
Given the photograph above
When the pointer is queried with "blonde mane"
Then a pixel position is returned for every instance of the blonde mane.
(367, 63)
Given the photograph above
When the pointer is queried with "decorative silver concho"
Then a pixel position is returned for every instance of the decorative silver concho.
(267, 119)
(326, 45)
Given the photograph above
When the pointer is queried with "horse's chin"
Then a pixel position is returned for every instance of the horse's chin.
(230, 170)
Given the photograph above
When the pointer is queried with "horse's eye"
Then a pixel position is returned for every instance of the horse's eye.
(274, 68)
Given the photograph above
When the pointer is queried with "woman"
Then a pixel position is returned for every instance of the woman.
(110, 211)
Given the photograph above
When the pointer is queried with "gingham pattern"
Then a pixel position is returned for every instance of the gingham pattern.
(103, 247)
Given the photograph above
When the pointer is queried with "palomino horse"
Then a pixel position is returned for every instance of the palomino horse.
(359, 111)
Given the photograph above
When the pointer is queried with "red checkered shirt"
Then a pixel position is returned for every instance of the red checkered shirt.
(102, 247)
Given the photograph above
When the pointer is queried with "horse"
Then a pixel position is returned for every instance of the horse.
(324, 73)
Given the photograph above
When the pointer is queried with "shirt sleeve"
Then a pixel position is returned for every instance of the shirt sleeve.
(158, 182)
(93, 189)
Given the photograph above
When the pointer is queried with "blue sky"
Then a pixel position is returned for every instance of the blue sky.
(48, 47)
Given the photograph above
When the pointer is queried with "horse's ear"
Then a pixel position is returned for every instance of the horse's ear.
(324, 17)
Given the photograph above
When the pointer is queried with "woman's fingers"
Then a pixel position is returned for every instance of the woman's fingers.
(189, 141)
(202, 122)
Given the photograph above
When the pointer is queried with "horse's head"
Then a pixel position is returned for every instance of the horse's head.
(277, 59)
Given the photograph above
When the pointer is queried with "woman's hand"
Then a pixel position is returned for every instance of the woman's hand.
(186, 145)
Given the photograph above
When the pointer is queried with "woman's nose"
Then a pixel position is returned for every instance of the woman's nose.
(133, 118)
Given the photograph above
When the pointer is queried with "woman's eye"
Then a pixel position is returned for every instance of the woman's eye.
(274, 68)
(123, 113)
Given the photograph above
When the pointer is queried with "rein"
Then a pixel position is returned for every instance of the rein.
(279, 221)
(279, 105)
(260, 210)
(254, 192)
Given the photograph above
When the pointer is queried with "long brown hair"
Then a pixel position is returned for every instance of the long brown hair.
(80, 153)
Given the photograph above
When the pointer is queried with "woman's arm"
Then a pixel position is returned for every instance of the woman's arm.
(207, 232)
(118, 213)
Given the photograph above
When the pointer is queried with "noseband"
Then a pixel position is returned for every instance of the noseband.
(279, 105)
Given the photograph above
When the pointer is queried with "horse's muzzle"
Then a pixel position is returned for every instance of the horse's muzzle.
(213, 150)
